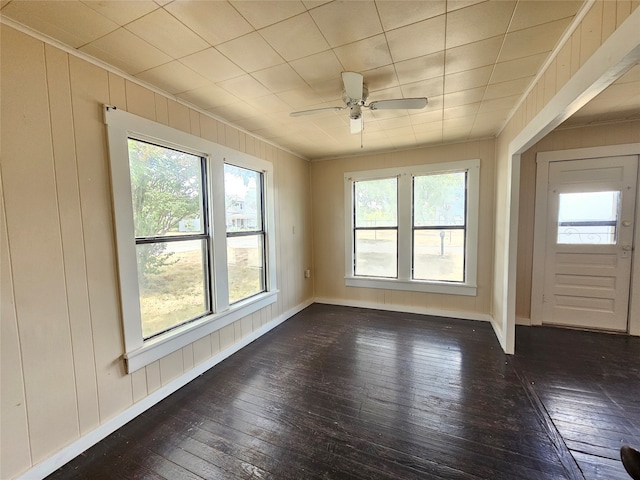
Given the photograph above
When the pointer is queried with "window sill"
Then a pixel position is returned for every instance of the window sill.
(163, 345)
(412, 285)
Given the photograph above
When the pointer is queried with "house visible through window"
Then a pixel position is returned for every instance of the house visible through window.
(413, 228)
(245, 232)
(195, 235)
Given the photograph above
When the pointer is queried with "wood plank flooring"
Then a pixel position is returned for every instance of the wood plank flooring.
(348, 393)
(589, 384)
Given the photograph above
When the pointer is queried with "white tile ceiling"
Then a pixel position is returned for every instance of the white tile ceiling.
(253, 62)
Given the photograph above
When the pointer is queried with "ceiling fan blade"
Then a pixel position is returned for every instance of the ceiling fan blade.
(399, 103)
(352, 85)
(316, 110)
(356, 124)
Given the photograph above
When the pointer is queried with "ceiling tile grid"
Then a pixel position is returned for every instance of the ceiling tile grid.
(253, 62)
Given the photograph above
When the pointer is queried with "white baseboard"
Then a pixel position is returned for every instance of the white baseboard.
(523, 321)
(406, 309)
(74, 449)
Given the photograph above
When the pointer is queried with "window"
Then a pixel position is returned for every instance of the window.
(376, 227)
(439, 224)
(170, 222)
(194, 235)
(245, 232)
(413, 228)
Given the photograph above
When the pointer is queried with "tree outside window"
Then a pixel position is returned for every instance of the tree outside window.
(171, 241)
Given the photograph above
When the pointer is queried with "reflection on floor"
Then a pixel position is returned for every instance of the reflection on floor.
(340, 393)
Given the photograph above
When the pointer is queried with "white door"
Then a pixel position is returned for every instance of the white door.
(590, 210)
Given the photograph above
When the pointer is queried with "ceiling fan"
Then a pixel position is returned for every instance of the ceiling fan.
(355, 95)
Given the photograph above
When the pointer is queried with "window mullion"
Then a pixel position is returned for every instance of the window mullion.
(404, 226)
(218, 229)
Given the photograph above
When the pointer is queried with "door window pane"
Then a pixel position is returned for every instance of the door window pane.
(438, 254)
(376, 253)
(376, 203)
(172, 282)
(588, 218)
(166, 189)
(245, 257)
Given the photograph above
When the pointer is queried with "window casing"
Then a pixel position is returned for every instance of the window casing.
(199, 239)
(436, 228)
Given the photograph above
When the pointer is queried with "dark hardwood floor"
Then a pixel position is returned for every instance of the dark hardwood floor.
(340, 393)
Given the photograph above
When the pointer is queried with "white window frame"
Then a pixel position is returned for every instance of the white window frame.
(121, 126)
(405, 237)
(262, 232)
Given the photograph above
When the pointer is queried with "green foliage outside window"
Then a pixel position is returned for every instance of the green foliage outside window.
(439, 199)
(376, 203)
(166, 189)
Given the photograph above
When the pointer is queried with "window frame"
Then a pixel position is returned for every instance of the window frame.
(248, 233)
(439, 226)
(405, 177)
(356, 228)
(186, 237)
(121, 126)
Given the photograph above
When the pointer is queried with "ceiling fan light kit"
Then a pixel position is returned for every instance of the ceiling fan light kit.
(355, 94)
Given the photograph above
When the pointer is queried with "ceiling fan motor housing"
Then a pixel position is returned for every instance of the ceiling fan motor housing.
(356, 101)
(355, 104)
(356, 112)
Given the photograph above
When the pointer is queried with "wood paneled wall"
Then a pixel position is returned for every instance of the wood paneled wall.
(327, 180)
(559, 139)
(62, 343)
(599, 23)
(602, 19)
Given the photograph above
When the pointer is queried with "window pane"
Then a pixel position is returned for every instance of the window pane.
(376, 203)
(439, 199)
(166, 188)
(588, 217)
(438, 255)
(171, 277)
(245, 257)
(243, 199)
(376, 253)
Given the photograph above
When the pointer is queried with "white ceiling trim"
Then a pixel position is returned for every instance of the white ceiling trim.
(554, 53)
(400, 150)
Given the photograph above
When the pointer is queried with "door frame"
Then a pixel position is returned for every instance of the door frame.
(540, 227)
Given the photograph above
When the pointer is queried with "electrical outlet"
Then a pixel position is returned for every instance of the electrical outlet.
(307, 273)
